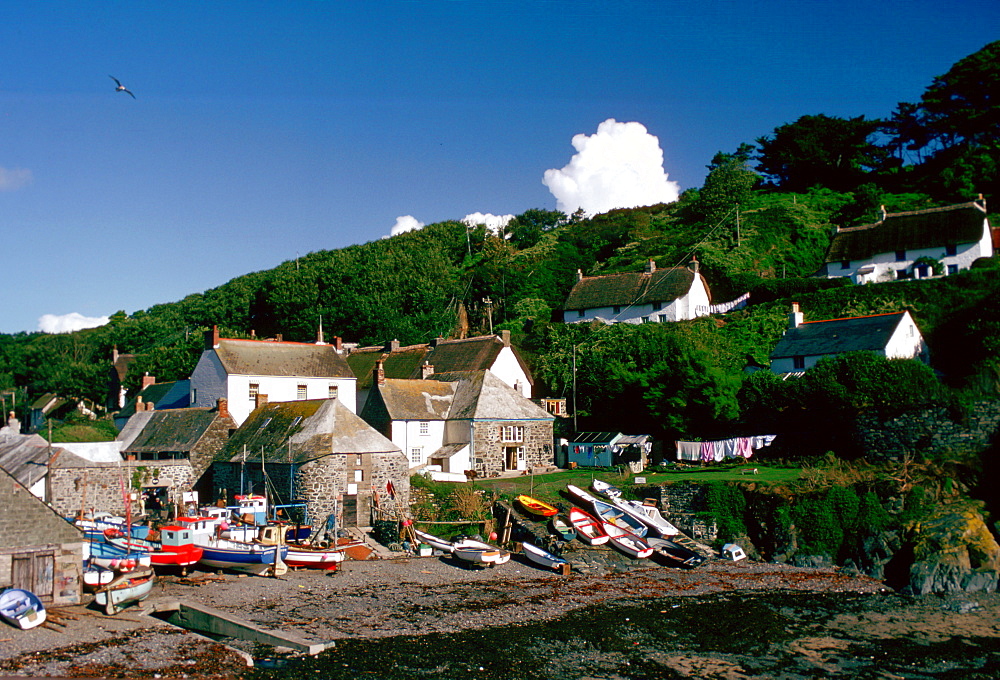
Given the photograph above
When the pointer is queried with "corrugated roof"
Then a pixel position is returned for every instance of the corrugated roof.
(593, 437)
(834, 336)
(264, 357)
(630, 288)
(173, 430)
(305, 430)
(932, 228)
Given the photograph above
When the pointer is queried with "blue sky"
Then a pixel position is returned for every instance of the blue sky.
(262, 131)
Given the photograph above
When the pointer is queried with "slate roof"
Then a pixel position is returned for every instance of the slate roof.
(631, 288)
(468, 354)
(314, 428)
(27, 522)
(157, 393)
(932, 228)
(833, 336)
(173, 430)
(26, 458)
(265, 357)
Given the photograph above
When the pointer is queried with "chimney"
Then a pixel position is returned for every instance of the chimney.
(391, 346)
(338, 344)
(883, 212)
(212, 337)
(222, 405)
(436, 341)
(114, 355)
(279, 337)
(378, 377)
(260, 400)
(694, 263)
(150, 406)
(650, 266)
(505, 337)
(147, 380)
(796, 317)
(579, 275)
(981, 202)
(319, 333)
(426, 370)
(138, 404)
(253, 334)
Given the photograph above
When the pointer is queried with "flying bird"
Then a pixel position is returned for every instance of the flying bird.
(121, 88)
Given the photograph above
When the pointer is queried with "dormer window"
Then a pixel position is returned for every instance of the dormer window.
(657, 306)
(951, 250)
(900, 256)
(616, 309)
(845, 264)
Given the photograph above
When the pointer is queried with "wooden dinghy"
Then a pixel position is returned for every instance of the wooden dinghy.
(648, 515)
(21, 608)
(133, 586)
(670, 554)
(610, 513)
(605, 489)
(587, 527)
(434, 541)
(537, 507)
(542, 557)
(478, 552)
(561, 528)
(627, 542)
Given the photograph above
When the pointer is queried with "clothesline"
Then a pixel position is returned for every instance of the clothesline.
(721, 449)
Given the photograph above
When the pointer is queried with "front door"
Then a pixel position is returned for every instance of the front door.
(33, 571)
(514, 458)
(350, 517)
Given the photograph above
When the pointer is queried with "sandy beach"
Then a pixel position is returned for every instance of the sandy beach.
(368, 600)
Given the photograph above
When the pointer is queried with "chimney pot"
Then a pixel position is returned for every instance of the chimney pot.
(796, 317)
(260, 400)
(650, 266)
(579, 275)
(379, 376)
(694, 264)
(426, 370)
(222, 405)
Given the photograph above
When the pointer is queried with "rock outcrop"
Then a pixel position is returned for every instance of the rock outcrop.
(954, 551)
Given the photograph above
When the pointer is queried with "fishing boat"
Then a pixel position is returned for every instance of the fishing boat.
(126, 588)
(95, 525)
(587, 527)
(610, 513)
(605, 489)
(478, 552)
(627, 542)
(103, 553)
(21, 608)
(542, 557)
(536, 507)
(648, 515)
(95, 576)
(176, 548)
(561, 528)
(433, 541)
(300, 553)
(670, 554)
(252, 558)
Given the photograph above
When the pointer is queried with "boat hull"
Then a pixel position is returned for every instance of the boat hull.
(536, 507)
(311, 558)
(244, 557)
(587, 527)
(434, 541)
(477, 552)
(125, 589)
(542, 557)
(627, 543)
(22, 608)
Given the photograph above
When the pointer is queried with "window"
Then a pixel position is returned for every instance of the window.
(900, 255)
(424, 428)
(300, 392)
(952, 269)
(416, 454)
(254, 391)
(194, 396)
(334, 390)
(359, 475)
(645, 319)
(662, 318)
(357, 460)
(799, 363)
(298, 419)
(579, 313)
(951, 250)
(512, 433)
(352, 489)
(845, 264)
(616, 309)
(657, 306)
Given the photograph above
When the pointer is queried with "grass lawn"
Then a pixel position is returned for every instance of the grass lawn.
(551, 487)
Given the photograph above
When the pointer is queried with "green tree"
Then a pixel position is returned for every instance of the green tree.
(827, 151)
(729, 184)
(527, 229)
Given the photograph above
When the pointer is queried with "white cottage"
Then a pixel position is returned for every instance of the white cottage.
(652, 296)
(252, 372)
(894, 336)
(955, 235)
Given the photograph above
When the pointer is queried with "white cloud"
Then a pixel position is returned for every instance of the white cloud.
(404, 224)
(621, 166)
(66, 323)
(12, 180)
(495, 223)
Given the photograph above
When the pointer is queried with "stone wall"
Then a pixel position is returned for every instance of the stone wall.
(67, 571)
(490, 452)
(933, 429)
(99, 487)
(680, 503)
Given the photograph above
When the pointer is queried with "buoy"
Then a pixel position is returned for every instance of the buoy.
(493, 535)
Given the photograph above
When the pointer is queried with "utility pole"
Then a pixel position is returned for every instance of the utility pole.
(737, 225)
(489, 312)
(574, 389)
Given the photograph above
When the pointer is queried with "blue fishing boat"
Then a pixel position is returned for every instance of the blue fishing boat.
(252, 558)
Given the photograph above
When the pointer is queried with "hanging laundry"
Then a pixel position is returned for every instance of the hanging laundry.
(719, 450)
(690, 451)
(707, 452)
(730, 448)
(744, 447)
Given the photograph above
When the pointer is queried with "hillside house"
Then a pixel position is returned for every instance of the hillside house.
(894, 336)
(158, 396)
(248, 373)
(652, 296)
(39, 550)
(461, 421)
(889, 249)
(116, 379)
(494, 353)
(317, 451)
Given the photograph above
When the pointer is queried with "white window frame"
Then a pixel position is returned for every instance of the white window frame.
(424, 428)
(302, 391)
(253, 391)
(416, 454)
(511, 434)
